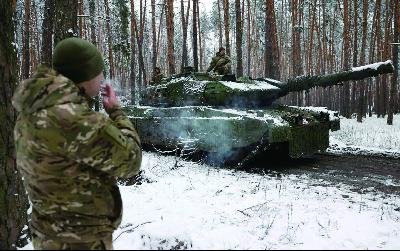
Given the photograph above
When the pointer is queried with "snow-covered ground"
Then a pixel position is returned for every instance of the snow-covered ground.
(186, 205)
(373, 136)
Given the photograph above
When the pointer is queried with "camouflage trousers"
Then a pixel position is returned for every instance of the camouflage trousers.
(223, 70)
(48, 244)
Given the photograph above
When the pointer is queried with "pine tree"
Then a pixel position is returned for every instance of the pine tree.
(13, 199)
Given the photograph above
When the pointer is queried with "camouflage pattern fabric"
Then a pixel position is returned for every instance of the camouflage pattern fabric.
(156, 79)
(220, 64)
(48, 244)
(69, 156)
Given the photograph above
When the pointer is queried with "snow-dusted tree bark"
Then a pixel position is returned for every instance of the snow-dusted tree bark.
(194, 36)
(378, 39)
(66, 19)
(133, 55)
(355, 55)
(385, 54)
(81, 5)
(170, 36)
(249, 43)
(361, 98)
(395, 57)
(345, 97)
(227, 27)
(239, 31)
(220, 36)
(139, 31)
(271, 53)
(201, 57)
(26, 60)
(153, 34)
(297, 66)
(185, 22)
(13, 198)
(109, 40)
(47, 33)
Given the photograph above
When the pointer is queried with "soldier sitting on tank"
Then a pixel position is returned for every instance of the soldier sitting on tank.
(220, 63)
(157, 76)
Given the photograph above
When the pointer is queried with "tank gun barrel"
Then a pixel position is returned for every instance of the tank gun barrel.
(302, 83)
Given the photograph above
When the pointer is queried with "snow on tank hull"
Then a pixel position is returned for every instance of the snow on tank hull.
(234, 136)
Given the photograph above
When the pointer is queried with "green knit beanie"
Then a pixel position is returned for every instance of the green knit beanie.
(77, 59)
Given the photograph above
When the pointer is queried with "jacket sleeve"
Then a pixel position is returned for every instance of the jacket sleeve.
(212, 65)
(223, 61)
(110, 145)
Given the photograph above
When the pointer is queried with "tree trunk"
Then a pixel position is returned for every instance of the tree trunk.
(200, 41)
(93, 38)
(66, 19)
(154, 33)
(271, 55)
(395, 58)
(249, 44)
(355, 56)
(384, 56)
(81, 22)
(26, 61)
(361, 98)
(170, 36)
(109, 40)
(34, 38)
(239, 31)
(219, 23)
(13, 199)
(195, 49)
(160, 26)
(378, 54)
(47, 34)
(227, 28)
(345, 99)
(133, 55)
(185, 22)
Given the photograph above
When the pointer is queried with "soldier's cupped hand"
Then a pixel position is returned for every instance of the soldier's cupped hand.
(110, 100)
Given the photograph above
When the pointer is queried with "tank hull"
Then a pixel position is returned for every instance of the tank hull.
(233, 136)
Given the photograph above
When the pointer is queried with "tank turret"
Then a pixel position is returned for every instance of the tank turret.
(197, 89)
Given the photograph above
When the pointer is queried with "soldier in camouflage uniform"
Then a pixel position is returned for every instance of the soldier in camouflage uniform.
(220, 63)
(69, 155)
(157, 76)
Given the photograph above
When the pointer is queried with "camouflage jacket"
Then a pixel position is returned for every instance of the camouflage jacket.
(156, 79)
(219, 64)
(69, 156)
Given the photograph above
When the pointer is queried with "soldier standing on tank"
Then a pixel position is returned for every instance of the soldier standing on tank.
(220, 63)
(70, 155)
(157, 76)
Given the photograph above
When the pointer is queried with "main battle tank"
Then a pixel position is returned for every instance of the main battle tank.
(234, 121)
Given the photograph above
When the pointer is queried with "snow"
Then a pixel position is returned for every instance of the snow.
(194, 206)
(255, 85)
(273, 81)
(199, 207)
(276, 120)
(333, 115)
(371, 66)
(373, 136)
(15, 46)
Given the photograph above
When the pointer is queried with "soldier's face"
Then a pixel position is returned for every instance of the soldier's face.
(222, 53)
(92, 87)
